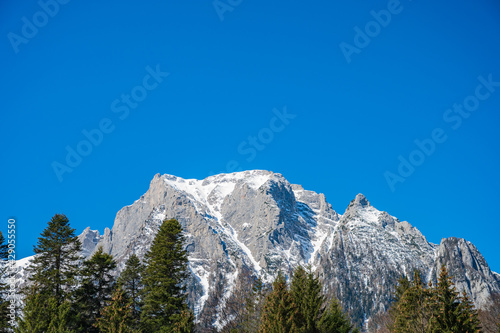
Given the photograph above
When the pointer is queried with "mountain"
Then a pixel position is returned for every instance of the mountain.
(257, 222)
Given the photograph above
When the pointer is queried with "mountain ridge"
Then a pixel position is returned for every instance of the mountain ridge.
(257, 222)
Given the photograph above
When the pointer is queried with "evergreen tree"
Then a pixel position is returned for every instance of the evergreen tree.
(164, 278)
(298, 295)
(446, 303)
(97, 284)
(402, 286)
(277, 314)
(308, 300)
(131, 281)
(57, 259)
(116, 316)
(185, 324)
(4, 247)
(52, 275)
(62, 319)
(413, 310)
(335, 321)
(450, 315)
(468, 317)
(37, 312)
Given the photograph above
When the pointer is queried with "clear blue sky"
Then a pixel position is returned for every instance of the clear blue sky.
(229, 68)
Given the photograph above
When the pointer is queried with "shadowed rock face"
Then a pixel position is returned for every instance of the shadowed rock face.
(468, 268)
(89, 239)
(257, 221)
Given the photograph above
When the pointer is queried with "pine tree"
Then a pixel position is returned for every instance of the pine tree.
(38, 312)
(298, 294)
(62, 319)
(413, 310)
(468, 318)
(165, 305)
(131, 281)
(42, 314)
(97, 284)
(450, 315)
(185, 324)
(277, 314)
(52, 275)
(308, 298)
(402, 286)
(57, 259)
(446, 304)
(334, 320)
(116, 316)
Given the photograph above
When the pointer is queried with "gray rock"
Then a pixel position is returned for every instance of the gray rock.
(89, 239)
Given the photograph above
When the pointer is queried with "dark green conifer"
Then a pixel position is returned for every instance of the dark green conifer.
(131, 281)
(468, 317)
(57, 259)
(334, 320)
(451, 314)
(52, 277)
(307, 296)
(277, 314)
(402, 286)
(62, 320)
(413, 311)
(165, 306)
(38, 312)
(95, 291)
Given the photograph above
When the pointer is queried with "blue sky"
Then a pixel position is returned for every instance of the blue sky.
(193, 89)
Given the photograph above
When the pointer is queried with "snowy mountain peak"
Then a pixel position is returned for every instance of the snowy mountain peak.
(224, 182)
(360, 201)
(360, 209)
(255, 222)
(211, 191)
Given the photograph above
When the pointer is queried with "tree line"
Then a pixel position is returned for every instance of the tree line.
(66, 294)
(439, 308)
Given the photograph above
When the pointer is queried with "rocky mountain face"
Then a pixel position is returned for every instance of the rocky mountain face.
(257, 222)
(89, 239)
